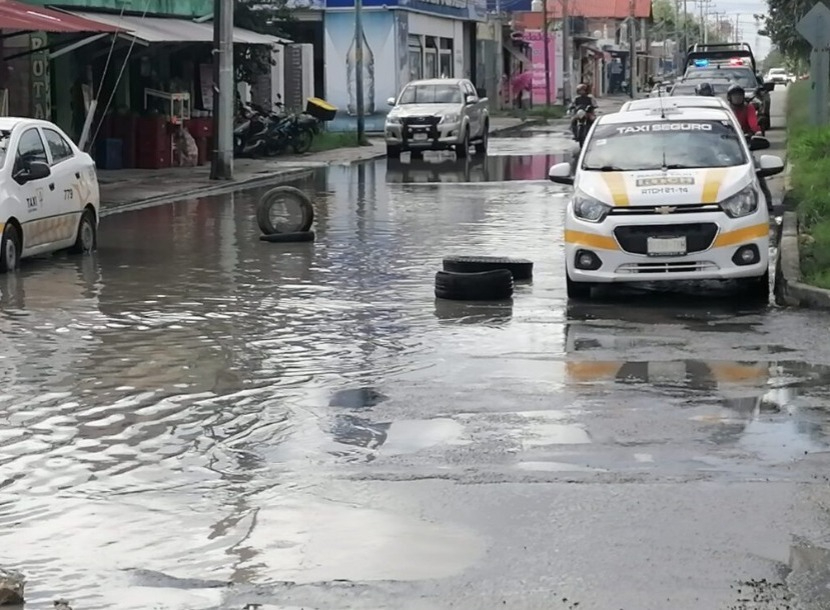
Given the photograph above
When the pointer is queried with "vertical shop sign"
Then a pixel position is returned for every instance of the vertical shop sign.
(41, 100)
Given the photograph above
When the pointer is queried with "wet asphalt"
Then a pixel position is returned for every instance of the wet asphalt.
(191, 407)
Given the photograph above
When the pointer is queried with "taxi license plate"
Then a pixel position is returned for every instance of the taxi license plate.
(419, 136)
(666, 246)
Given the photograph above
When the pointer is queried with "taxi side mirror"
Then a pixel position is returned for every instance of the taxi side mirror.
(561, 174)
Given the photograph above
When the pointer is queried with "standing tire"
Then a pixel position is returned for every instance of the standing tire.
(284, 209)
(302, 141)
(463, 149)
(481, 147)
(520, 268)
(87, 238)
(486, 286)
(9, 249)
(393, 152)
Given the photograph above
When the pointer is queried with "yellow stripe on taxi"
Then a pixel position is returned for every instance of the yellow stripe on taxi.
(730, 238)
(615, 181)
(591, 240)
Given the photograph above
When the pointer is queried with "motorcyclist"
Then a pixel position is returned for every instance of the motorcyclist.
(705, 89)
(748, 118)
(585, 101)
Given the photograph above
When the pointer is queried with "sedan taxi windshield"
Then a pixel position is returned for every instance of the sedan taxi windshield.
(650, 145)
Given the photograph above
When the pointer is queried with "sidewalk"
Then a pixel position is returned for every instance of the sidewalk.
(127, 189)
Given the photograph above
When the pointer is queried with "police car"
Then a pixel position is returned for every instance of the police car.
(667, 194)
(48, 192)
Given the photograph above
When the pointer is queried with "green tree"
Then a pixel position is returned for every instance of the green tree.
(669, 24)
(780, 24)
(264, 17)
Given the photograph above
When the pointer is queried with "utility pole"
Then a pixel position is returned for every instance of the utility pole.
(223, 90)
(546, 42)
(632, 50)
(358, 76)
(566, 53)
(685, 32)
(738, 28)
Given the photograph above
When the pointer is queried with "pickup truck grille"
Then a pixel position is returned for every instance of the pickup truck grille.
(421, 120)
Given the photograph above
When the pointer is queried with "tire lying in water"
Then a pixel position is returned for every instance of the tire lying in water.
(496, 285)
(284, 209)
(520, 268)
(282, 238)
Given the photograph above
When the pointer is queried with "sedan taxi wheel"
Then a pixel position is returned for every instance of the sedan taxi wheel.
(577, 290)
(10, 249)
(87, 239)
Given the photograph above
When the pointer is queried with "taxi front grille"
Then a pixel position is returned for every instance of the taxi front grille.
(666, 268)
(634, 238)
(637, 210)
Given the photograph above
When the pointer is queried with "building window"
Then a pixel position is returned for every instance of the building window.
(416, 58)
(431, 58)
(445, 57)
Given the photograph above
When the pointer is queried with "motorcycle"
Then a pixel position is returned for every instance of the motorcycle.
(293, 130)
(582, 122)
(249, 134)
(763, 118)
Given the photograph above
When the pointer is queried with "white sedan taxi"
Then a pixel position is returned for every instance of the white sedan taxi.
(667, 195)
(671, 103)
(49, 197)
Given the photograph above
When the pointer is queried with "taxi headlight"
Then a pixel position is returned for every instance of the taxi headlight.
(742, 203)
(590, 209)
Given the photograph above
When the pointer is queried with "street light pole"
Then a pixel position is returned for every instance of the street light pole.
(546, 42)
(223, 96)
(566, 54)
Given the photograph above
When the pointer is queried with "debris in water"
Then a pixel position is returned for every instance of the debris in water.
(62, 604)
(11, 587)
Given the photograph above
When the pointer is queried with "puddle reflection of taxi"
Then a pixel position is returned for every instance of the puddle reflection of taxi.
(442, 169)
(667, 194)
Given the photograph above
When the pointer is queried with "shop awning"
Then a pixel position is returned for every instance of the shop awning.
(22, 17)
(163, 30)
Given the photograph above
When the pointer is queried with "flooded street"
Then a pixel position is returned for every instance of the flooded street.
(193, 407)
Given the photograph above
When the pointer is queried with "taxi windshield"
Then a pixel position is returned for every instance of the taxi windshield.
(651, 145)
(431, 94)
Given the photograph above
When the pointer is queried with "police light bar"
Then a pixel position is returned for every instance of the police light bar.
(700, 63)
(736, 61)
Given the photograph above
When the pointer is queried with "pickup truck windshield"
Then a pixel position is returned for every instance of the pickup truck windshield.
(685, 144)
(431, 94)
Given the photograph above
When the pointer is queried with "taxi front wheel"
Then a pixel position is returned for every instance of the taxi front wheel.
(577, 290)
(10, 249)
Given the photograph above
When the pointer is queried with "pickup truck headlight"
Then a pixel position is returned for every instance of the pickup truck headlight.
(742, 203)
(590, 209)
(393, 120)
(450, 118)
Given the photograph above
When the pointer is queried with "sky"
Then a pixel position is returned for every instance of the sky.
(743, 10)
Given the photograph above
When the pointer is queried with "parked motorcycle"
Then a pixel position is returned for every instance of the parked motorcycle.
(296, 131)
(763, 119)
(250, 132)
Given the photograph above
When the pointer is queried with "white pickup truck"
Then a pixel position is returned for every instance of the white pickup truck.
(437, 114)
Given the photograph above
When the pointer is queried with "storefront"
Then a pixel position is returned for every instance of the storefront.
(403, 40)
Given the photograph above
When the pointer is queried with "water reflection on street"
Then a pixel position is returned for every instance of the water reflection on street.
(193, 403)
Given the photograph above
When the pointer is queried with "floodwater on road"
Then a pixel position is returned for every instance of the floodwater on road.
(193, 407)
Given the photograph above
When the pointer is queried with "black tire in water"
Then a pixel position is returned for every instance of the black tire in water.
(577, 290)
(496, 285)
(282, 238)
(87, 239)
(294, 210)
(520, 268)
(9, 249)
(756, 289)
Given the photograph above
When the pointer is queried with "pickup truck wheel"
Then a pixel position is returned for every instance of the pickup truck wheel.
(481, 147)
(393, 152)
(462, 149)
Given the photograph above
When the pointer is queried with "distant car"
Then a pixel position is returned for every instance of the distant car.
(667, 196)
(777, 76)
(680, 101)
(438, 114)
(49, 198)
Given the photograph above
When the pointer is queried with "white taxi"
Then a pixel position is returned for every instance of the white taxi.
(667, 195)
(49, 197)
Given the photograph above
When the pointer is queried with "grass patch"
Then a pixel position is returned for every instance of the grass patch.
(329, 140)
(546, 113)
(808, 148)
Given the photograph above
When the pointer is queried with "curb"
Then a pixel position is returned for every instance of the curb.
(791, 290)
(277, 178)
